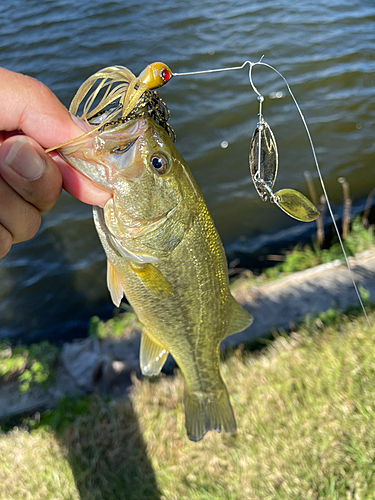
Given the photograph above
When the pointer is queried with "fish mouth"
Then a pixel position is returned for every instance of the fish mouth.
(140, 227)
(124, 148)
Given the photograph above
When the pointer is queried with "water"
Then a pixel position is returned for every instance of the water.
(51, 285)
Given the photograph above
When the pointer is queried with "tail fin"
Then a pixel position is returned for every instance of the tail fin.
(206, 412)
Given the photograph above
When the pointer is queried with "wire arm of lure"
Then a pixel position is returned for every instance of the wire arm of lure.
(220, 70)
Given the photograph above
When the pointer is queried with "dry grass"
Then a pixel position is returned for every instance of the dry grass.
(305, 410)
(34, 467)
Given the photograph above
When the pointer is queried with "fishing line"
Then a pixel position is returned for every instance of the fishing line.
(263, 185)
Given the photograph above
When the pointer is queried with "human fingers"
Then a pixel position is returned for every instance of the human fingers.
(30, 183)
(29, 106)
(30, 172)
(74, 182)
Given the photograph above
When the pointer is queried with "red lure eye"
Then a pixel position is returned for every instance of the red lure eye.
(165, 74)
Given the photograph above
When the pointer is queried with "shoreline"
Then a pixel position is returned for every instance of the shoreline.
(106, 365)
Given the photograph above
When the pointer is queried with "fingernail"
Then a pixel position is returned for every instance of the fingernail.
(24, 160)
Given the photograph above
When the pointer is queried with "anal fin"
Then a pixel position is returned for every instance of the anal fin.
(114, 284)
(152, 355)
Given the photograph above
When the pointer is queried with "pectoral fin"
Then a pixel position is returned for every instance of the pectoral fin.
(239, 318)
(152, 279)
(152, 355)
(114, 285)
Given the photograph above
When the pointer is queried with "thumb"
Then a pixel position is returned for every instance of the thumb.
(31, 173)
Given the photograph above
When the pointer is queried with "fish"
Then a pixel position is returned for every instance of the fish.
(165, 255)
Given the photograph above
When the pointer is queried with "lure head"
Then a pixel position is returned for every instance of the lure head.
(155, 75)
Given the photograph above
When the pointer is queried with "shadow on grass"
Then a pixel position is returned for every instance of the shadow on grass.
(106, 450)
(103, 444)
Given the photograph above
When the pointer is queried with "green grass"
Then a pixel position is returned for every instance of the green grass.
(114, 327)
(305, 408)
(30, 366)
(359, 239)
(300, 258)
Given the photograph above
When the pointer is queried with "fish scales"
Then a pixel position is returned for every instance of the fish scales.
(165, 254)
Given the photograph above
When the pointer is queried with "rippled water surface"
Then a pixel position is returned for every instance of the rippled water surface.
(51, 285)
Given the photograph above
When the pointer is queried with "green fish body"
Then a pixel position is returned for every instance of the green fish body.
(164, 253)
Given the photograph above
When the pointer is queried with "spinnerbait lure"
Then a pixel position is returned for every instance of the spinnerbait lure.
(127, 97)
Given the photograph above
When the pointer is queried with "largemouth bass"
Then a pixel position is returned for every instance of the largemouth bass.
(164, 253)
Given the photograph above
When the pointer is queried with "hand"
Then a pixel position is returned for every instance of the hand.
(30, 179)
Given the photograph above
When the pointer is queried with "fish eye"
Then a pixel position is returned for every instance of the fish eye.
(159, 163)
